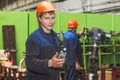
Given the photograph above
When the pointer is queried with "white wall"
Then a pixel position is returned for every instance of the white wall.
(71, 6)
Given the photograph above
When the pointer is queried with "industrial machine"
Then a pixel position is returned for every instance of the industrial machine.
(97, 36)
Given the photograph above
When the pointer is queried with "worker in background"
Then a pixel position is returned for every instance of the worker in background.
(42, 46)
(73, 59)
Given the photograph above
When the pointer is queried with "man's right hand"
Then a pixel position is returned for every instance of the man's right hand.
(55, 62)
(78, 66)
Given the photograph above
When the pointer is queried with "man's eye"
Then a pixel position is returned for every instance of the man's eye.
(46, 18)
(53, 17)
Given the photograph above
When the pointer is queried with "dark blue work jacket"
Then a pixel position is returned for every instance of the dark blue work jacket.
(40, 47)
(74, 52)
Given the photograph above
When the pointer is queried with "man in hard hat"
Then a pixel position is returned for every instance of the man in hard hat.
(73, 59)
(42, 46)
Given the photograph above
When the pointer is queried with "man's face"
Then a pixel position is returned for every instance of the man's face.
(74, 29)
(47, 21)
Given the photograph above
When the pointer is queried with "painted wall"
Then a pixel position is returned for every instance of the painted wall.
(103, 21)
(20, 20)
(26, 22)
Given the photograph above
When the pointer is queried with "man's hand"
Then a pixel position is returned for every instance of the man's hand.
(78, 67)
(82, 31)
(55, 62)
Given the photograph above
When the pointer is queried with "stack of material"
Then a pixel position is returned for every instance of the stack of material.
(107, 75)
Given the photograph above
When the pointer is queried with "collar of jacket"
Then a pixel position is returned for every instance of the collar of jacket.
(44, 33)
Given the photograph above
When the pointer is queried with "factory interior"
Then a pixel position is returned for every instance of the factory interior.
(18, 20)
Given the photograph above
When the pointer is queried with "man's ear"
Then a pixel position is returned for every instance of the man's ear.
(39, 19)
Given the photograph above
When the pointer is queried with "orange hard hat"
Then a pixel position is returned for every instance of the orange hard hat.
(72, 23)
(44, 6)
